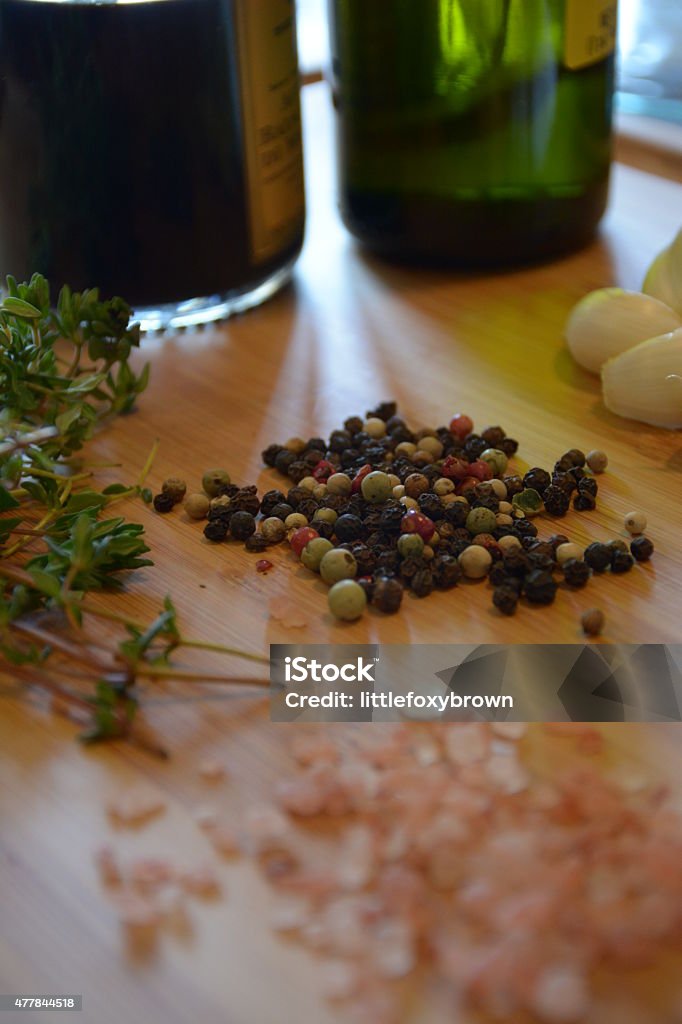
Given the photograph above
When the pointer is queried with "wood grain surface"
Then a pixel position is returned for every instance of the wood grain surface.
(349, 332)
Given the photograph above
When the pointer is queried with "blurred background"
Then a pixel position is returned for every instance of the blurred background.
(649, 60)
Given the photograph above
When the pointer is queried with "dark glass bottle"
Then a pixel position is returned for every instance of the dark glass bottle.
(473, 132)
(152, 149)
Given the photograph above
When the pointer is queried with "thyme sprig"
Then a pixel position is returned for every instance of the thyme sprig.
(63, 372)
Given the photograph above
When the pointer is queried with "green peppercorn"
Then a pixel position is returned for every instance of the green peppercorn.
(475, 562)
(410, 544)
(642, 548)
(213, 480)
(376, 487)
(314, 552)
(347, 600)
(481, 520)
(326, 515)
(339, 483)
(528, 501)
(295, 520)
(175, 487)
(337, 564)
(496, 459)
(197, 505)
(273, 530)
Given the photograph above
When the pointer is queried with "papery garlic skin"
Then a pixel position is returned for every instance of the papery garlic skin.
(645, 383)
(610, 320)
(664, 277)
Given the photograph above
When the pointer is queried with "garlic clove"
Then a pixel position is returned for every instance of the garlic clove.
(645, 383)
(664, 277)
(611, 320)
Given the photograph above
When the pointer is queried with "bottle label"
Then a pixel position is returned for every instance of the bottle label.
(590, 31)
(271, 119)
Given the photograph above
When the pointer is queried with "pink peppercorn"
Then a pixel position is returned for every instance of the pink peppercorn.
(461, 425)
(359, 477)
(481, 470)
(263, 564)
(300, 538)
(467, 484)
(454, 468)
(323, 470)
(416, 522)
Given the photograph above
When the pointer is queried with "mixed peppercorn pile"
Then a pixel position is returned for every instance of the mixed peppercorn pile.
(378, 508)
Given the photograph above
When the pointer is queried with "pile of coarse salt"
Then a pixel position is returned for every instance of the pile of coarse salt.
(445, 860)
(508, 890)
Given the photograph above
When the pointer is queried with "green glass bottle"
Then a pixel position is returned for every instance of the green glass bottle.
(473, 132)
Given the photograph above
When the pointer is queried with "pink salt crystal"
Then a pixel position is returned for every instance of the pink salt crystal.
(394, 949)
(314, 748)
(509, 730)
(507, 774)
(265, 828)
(339, 979)
(135, 806)
(137, 913)
(466, 743)
(302, 795)
(150, 872)
(107, 865)
(212, 770)
(561, 995)
(356, 858)
(224, 840)
(200, 881)
(206, 817)
(289, 915)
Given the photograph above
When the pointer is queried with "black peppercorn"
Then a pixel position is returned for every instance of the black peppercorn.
(246, 500)
(388, 594)
(456, 514)
(509, 446)
(164, 502)
(524, 528)
(474, 446)
(584, 502)
(383, 411)
(339, 440)
(390, 519)
(281, 510)
(242, 525)
(269, 456)
(498, 574)
(430, 504)
(365, 558)
(446, 571)
(297, 470)
(597, 556)
(215, 530)
(556, 539)
(348, 527)
(256, 542)
(576, 572)
(410, 566)
(294, 496)
(324, 529)
(514, 485)
(353, 424)
(575, 457)
(269, 500)
(308, 507)
(283, 460)
(317, 444)
(516, 563)
(422, 584)
(505, 599)
(537, 479)
(493, 436)
(621, 561)
(539, 560)
(642, 549)
(588, 485)
(557, 501)
(540, 587)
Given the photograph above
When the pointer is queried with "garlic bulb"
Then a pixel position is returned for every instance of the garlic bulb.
(664, 277)
(645, 383)
(611, 320)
